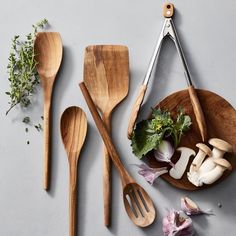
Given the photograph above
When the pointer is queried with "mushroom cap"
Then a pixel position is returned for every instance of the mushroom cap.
(221, 144)
(204, 148)
(223, 162)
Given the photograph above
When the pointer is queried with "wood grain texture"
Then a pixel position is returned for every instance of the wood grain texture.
(200, 119)
(131, 189)
(220, 119)
(73, 133)
(168, 10)
(48, 51)
(106, 75)
(135, 109)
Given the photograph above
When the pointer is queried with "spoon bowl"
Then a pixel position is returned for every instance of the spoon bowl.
(48, 53)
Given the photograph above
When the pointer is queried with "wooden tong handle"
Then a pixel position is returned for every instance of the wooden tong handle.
(198, 112)
(168, 10)
(135, 109)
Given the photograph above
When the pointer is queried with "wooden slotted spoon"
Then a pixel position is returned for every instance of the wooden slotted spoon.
(138, 204)
(73, 133)
(106, 75)
(48, 53)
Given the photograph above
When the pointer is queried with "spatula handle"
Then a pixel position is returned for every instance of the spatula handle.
(107, 176)
(125, 177)
(135, 109)
(198, 112)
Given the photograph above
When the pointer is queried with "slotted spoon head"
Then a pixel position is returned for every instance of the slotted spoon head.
(138, 205)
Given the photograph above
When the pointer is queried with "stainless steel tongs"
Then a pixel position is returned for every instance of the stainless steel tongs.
(169, 30)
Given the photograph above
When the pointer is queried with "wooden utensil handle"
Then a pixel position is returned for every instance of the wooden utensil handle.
(105, 136)
(135, 109)
(47, 143)
(73, 200)
(107, 175)
(198, 113)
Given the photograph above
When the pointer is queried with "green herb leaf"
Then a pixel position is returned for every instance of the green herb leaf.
(148, 134)
(26, 120)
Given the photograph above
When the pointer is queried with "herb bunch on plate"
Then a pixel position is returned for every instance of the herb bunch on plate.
(149, 134)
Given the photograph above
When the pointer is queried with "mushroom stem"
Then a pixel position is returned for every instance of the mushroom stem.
(211, 176)
(204, 150)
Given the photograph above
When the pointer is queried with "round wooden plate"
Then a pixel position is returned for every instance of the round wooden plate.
(221, 123)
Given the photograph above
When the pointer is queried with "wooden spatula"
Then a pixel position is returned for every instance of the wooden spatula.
(106, 75)
(48, 52)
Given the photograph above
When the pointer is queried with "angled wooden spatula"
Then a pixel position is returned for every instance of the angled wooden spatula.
(106, 75)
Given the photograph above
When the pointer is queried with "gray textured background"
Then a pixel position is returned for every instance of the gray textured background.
(208, 36)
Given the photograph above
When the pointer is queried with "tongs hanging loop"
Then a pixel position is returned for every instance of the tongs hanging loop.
(168, 30)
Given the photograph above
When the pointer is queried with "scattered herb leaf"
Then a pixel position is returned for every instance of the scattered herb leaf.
(26, 120)
(148, 134)
(38, 127)
(28, 142)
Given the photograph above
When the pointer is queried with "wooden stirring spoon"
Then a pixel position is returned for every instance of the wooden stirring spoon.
(106, 75)
(48, 53)
(73, 133)
(138, 204)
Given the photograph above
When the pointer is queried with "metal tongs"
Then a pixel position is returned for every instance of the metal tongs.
(169, 30)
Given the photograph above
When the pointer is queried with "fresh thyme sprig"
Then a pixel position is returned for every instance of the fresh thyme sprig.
(23, 76)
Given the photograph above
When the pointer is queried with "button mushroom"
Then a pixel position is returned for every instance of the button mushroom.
(204, 151)
(213, 175)
(178, 170)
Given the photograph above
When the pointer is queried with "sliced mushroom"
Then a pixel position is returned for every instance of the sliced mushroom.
(204, 151)
(178, 170)
(213, 175)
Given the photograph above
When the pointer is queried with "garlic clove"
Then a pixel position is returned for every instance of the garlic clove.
(150, 174)
(176, 223)
(189, 207)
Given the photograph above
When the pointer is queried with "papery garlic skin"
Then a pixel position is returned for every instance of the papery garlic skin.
(150, 174)
(189, 207)
(176, 223)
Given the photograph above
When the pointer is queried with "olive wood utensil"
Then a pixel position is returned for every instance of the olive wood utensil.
(73, 133)
(48, 53)
(168, 30)
(138, 204)
(106, 76)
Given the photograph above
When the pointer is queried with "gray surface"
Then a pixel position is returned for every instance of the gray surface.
(207, 32)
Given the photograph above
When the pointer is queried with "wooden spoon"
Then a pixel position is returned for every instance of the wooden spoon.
(73, 133)
(48, 53)
(138, 204)
(106, 75)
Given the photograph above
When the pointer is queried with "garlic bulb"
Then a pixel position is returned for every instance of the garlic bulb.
(176, 223)
(189, 207)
